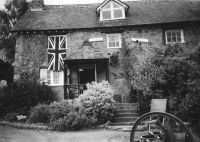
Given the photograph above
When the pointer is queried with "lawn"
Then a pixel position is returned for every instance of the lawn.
(9, 134)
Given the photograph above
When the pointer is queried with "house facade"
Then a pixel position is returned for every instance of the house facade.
(67, 46)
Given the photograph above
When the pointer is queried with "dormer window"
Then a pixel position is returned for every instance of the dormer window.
(112, 10)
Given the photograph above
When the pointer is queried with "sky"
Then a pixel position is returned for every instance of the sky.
(58, 2)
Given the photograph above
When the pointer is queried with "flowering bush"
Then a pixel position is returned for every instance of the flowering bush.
(98, 101)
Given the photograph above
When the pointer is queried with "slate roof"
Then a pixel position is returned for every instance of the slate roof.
(84, 16)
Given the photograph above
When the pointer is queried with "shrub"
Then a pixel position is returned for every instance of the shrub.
(67, 115)
(11, 117)
(72, 116)
(43, 113)
(22, 95)
(98, 101)
(40, 114)
(178, 80)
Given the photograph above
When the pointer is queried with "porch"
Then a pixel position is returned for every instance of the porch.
(79, 72)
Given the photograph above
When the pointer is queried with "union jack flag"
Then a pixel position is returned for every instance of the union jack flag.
(57, 46)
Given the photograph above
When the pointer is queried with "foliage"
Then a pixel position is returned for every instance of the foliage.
(67, 115)
(14, 10)
(98, 101)
(75, 119)
(114, 59)
(142, 72)
(21, 95)
(8, 42)
(11, 117)
(173, 74)
(182, 77)
(40, 114)
(6, 72)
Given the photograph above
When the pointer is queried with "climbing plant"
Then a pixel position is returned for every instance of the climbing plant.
(139, 70)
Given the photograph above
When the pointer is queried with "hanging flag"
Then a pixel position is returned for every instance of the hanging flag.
(57, 46)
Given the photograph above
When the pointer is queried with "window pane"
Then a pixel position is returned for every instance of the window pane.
(169, 39)
(61, 77)
(118, 13)
(117, 44)
(173, 39)
(106, 14)
(107, 6)
(49, 77)
(43, 75)
(55, 77)
(112, 38)
(173, 33)
(178, 39)
(178, 33)
(111, 44)
(169, 34)
(115, 5)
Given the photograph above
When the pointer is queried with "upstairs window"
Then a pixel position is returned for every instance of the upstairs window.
(112, 11)
(114, 41)
(174, 36)
(52, 78)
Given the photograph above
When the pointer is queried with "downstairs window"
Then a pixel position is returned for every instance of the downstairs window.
(52, 78)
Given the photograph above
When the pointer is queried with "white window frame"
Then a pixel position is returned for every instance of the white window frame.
(120, 40)
(45, 79)
(59, 39)
(111, 9)
(176, 30)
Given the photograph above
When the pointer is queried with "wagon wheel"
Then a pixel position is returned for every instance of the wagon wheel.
(160, 127)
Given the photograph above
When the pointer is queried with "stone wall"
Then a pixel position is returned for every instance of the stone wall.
(79, 47)
(30, 56)
(31, 50)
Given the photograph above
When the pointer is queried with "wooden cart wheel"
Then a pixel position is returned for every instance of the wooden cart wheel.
(160, 127)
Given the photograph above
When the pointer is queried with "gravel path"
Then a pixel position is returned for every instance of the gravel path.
(9, 134)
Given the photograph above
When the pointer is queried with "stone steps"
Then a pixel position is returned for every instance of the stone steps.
(125, 115)
(121, 124)
(134, 114)
(124, 119)
(126, 111)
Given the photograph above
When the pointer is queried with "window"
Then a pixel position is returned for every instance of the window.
(51, 77)
(112, 11)
(174, 36)
(114, 40)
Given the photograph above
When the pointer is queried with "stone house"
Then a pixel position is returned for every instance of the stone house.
(67, 46)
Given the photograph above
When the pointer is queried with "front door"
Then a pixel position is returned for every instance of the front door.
(87, 75)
